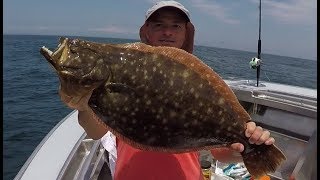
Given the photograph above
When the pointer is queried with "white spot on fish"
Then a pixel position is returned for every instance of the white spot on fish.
(192, 64)
(148, 102)
(221, 101)
(185, 74)
(154, 69)
(100, 61)
(154, 57)
(159, 64)
(192, 90)
(221, 121)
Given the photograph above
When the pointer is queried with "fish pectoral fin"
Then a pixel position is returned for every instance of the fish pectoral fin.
(119, 88)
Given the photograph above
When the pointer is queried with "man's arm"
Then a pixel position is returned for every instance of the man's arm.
(93, 128)
(255, 135)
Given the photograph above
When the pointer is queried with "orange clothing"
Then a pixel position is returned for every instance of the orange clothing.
(134, 164)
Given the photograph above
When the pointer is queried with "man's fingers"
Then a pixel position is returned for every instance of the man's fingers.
(255, 136)
(251, 126)
(237, 147)
(270, 141)
(263, 138)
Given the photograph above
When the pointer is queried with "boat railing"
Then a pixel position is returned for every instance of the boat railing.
(85, 161)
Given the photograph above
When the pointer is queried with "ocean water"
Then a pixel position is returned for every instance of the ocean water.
(32, 107)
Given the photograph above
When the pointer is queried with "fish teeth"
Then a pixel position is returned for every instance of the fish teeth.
(58, 52)
(47, 50)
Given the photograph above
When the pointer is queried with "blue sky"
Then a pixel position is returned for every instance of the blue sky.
(288, 26)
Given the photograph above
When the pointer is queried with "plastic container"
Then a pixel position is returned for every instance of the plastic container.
(206, 169)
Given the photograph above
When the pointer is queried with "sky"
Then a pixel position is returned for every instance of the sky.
(288, 27)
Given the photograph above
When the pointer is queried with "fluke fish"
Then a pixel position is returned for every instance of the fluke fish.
(158, 98)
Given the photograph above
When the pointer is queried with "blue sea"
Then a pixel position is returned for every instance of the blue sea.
(32, 107)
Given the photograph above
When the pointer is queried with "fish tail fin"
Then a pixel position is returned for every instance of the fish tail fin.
(262, 159)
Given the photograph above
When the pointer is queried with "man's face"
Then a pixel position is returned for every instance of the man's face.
(167, 28)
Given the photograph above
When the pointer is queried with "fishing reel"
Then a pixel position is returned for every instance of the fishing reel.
(255, 62)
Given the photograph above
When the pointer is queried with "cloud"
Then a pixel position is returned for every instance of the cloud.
(214, 9)
(291, 11)
(115, 29)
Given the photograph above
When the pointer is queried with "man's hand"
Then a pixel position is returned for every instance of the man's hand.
(256, 135)
(79, 103)
(188, 43)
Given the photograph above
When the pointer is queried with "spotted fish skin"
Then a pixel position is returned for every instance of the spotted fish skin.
(156, 98)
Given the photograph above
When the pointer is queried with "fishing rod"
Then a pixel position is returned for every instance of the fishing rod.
(256, 61)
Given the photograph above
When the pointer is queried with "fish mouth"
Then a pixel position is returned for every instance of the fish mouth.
(57, 56)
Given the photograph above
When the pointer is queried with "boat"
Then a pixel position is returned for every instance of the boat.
(288, 112)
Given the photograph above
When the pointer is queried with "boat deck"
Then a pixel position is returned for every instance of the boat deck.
(290, 113)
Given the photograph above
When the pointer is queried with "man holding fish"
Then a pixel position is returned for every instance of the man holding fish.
(167, 24)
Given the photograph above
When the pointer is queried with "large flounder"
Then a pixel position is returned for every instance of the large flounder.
(158, 98)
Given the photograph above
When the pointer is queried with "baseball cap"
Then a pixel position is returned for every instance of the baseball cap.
(162, 4)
